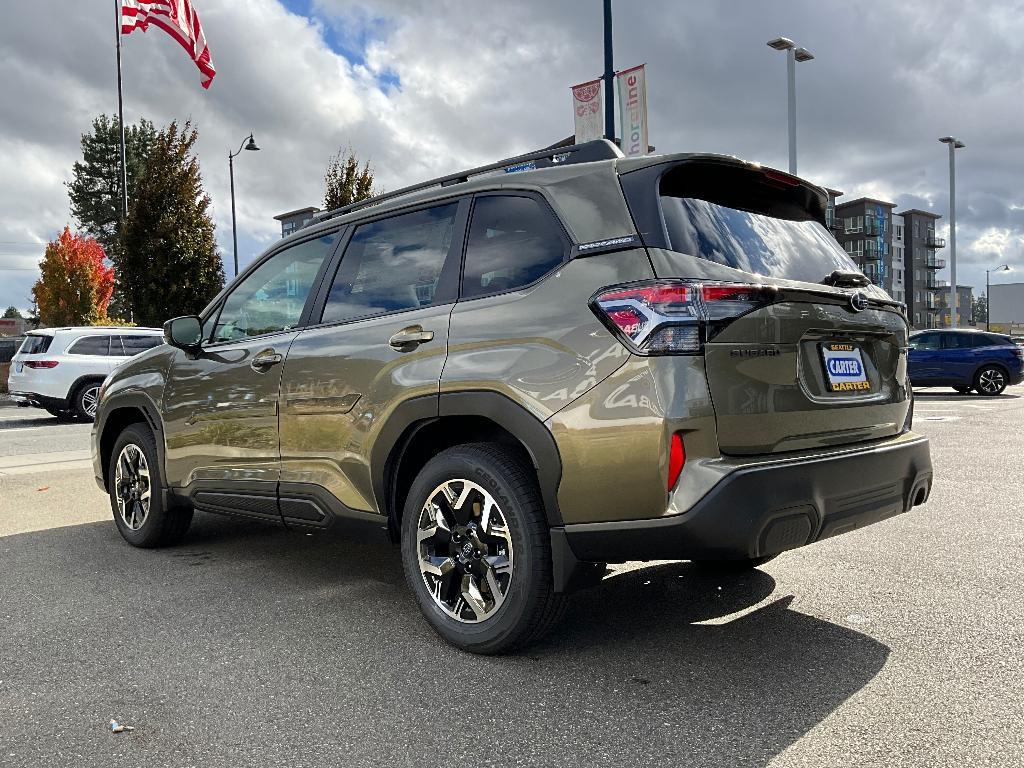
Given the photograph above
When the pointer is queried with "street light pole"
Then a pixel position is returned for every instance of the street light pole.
(988, 294)
(953, 144)
(609, 75)
(793, 55)
(250, 145)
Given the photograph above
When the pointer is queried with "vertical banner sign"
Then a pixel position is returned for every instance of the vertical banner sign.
(633, 110)
(586, 107)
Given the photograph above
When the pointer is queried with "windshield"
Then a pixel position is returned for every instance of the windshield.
(753, 242)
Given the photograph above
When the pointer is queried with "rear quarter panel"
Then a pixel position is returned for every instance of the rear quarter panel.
(543, 347)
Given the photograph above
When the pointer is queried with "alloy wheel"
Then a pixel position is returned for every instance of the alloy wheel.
(464, 549)
(91, 400)
(991, 381)
(132, 488)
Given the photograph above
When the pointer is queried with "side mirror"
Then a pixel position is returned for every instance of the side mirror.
(184, 332)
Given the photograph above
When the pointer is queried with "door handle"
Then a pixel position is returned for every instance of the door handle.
(263, 360)
(409, 338)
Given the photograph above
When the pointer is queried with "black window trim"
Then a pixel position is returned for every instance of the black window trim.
(342, 232)
(80, 339)
(452, 261)
(568, 246)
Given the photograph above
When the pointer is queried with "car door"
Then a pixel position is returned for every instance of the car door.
(221, 405)
(924, 358)
(960, 356)
(380, 339)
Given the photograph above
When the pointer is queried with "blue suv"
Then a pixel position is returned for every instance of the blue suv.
(965, 360)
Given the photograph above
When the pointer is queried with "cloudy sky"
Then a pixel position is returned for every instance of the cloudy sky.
(424, 88)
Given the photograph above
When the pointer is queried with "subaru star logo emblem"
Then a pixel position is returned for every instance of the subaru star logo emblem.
(858, 302)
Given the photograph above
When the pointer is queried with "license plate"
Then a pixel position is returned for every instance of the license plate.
(844, 367)
(18, 367)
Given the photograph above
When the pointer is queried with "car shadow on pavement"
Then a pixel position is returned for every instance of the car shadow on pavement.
(250, 644)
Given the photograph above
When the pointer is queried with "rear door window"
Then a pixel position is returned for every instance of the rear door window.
(513, 242)
(91, 345)
(35, 345)
(393, 265)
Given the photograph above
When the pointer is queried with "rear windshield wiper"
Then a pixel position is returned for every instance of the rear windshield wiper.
(841, 279)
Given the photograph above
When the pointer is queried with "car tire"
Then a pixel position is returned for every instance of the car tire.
(990, 380)
(134, 483)
(86, 400)
(488, 560)
(733, 566)
(962, 390)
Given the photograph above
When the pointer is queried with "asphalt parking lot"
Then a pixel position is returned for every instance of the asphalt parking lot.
(902, 644)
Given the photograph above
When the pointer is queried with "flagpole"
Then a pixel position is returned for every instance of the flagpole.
(120, 113)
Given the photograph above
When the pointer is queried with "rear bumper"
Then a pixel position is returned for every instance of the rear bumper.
(770, 507)
(40, 401)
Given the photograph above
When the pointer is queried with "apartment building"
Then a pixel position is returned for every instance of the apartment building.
(930, 295)
(897, 251)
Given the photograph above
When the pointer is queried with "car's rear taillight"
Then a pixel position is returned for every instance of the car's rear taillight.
(674, 316)
(40, 363)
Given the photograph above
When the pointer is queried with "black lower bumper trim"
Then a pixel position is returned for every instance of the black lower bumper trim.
(766, 509)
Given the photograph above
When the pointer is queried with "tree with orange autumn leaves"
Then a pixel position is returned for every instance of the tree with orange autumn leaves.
(75, 286)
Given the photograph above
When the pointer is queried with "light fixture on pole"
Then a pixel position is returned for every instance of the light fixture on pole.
(250, 145)
(953, 144)
(988, 293)
(793, 55)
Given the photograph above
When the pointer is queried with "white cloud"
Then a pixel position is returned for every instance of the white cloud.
(482, 80)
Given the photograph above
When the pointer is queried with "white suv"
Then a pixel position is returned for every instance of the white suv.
(61, 369)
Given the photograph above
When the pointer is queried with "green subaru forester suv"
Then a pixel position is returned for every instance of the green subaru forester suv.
(527, 371)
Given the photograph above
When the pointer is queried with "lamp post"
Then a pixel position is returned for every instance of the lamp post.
(988, 294)
(250, 145)
(793, 55)
(953, 144)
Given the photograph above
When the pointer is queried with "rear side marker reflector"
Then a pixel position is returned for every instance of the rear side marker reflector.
(664, 317)
(676, 460)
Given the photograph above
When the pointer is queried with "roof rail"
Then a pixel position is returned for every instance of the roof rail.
(598, 149)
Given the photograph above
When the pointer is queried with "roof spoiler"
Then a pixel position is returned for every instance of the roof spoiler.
(588, 152)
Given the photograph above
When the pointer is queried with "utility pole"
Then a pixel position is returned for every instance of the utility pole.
(609, 75)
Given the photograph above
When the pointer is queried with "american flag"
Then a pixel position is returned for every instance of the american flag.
(178, 19)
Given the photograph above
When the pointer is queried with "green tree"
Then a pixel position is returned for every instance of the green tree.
(171, 265)
(95, 186)
(979, 309)
(11, 312)
(345, 182)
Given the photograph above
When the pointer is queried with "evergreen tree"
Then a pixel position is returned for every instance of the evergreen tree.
(171, 265)
(345, 182)
(95, 186)
(11, 312)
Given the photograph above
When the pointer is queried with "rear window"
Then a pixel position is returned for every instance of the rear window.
(35, 345)
(753, 242)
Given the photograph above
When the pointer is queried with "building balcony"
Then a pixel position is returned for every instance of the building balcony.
(931, 241)
(871, 255)
(937, 285)
(933, 303)
(932, 263)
